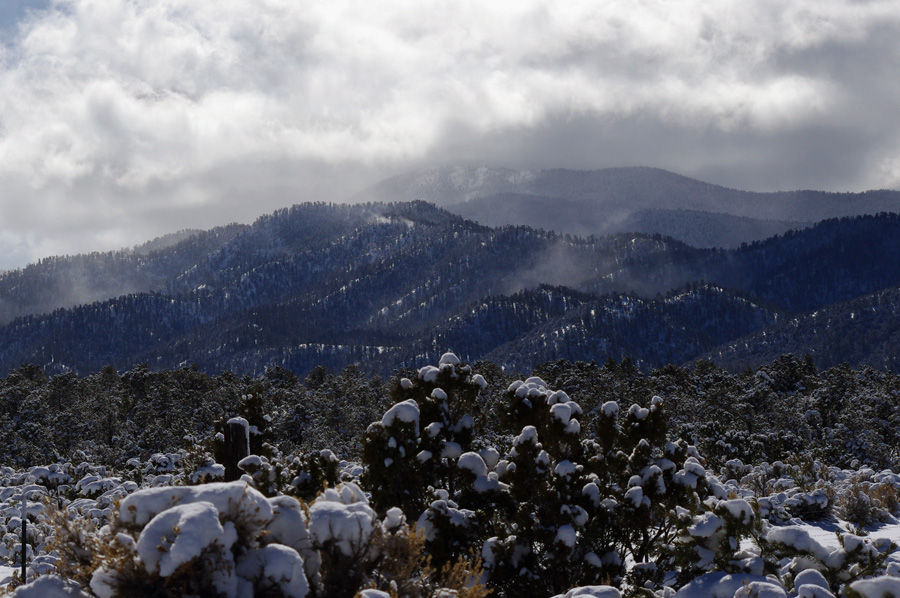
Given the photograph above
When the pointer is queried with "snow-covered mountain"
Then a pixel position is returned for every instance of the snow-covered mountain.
(614, 200)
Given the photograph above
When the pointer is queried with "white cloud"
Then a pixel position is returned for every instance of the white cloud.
(114, 113)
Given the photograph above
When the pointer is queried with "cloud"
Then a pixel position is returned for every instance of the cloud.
(122, 119)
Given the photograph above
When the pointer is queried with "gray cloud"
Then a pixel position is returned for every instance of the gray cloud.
(125, 119)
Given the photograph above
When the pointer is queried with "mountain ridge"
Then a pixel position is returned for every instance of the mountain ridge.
(625, 199)
(397, 284)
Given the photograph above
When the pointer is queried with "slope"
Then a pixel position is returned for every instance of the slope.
(863, 331)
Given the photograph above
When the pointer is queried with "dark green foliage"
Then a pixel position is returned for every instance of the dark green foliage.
(404, 458)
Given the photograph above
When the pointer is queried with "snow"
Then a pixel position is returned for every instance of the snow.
(798, 537)
(472, 462)
(760, 589)
(562, 412)
(342, 516)
(208, 473)
(447, 509)
(288, 525)
(394, 519)
(449, 359)
(565, 468)
(532, 387)
(738, 508)
(566, 535)
(705, 526)
(528, 435)
(451, 450)
(812, 591)
(610, 408)
(250, 461)
(275, 567)
(635, 495)
(6, 574)
(49, 586)
(692, 465)
(878, 587)
(639, 413)
(405, 411)
(810, 577)
(723, 585)
(592, 592)
(429, 373)
(809, 583)
(228, 497)
(181, 534)
(491, 456)
(466, 422)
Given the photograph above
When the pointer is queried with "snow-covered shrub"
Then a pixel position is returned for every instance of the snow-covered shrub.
(206, 472)
(302, 475)
(419, 440)
(552, 510)
(584, 507)
(712, 539)
(864, 502)
(49, 586)
(265, 476)
(879, 587)
(312, 473)
(591, 592)
(341, 527)
(855, 557)
(216, 539)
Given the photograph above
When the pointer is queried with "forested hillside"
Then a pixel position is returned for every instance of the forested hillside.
(387, 284)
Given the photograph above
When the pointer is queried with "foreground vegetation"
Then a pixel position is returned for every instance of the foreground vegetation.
(458, 478)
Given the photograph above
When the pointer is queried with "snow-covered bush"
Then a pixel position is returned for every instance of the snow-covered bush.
(795, 551)
(215, 539)
(712, 540)
(418, 441)
(864, 501)
(553, 508)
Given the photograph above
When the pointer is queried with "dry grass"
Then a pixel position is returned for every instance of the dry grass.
(405, 570)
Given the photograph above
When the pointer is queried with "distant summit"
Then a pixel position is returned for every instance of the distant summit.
(624, 200)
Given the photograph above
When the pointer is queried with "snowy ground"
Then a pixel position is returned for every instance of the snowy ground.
(824, 532)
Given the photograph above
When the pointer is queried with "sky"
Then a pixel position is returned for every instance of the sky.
(122, 120)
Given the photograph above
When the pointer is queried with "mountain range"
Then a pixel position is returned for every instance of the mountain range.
(622, 200)
(395, 284)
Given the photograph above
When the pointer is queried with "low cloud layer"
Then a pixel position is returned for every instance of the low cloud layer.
(124, 119)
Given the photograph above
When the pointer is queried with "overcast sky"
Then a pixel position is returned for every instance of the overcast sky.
(121, 120)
